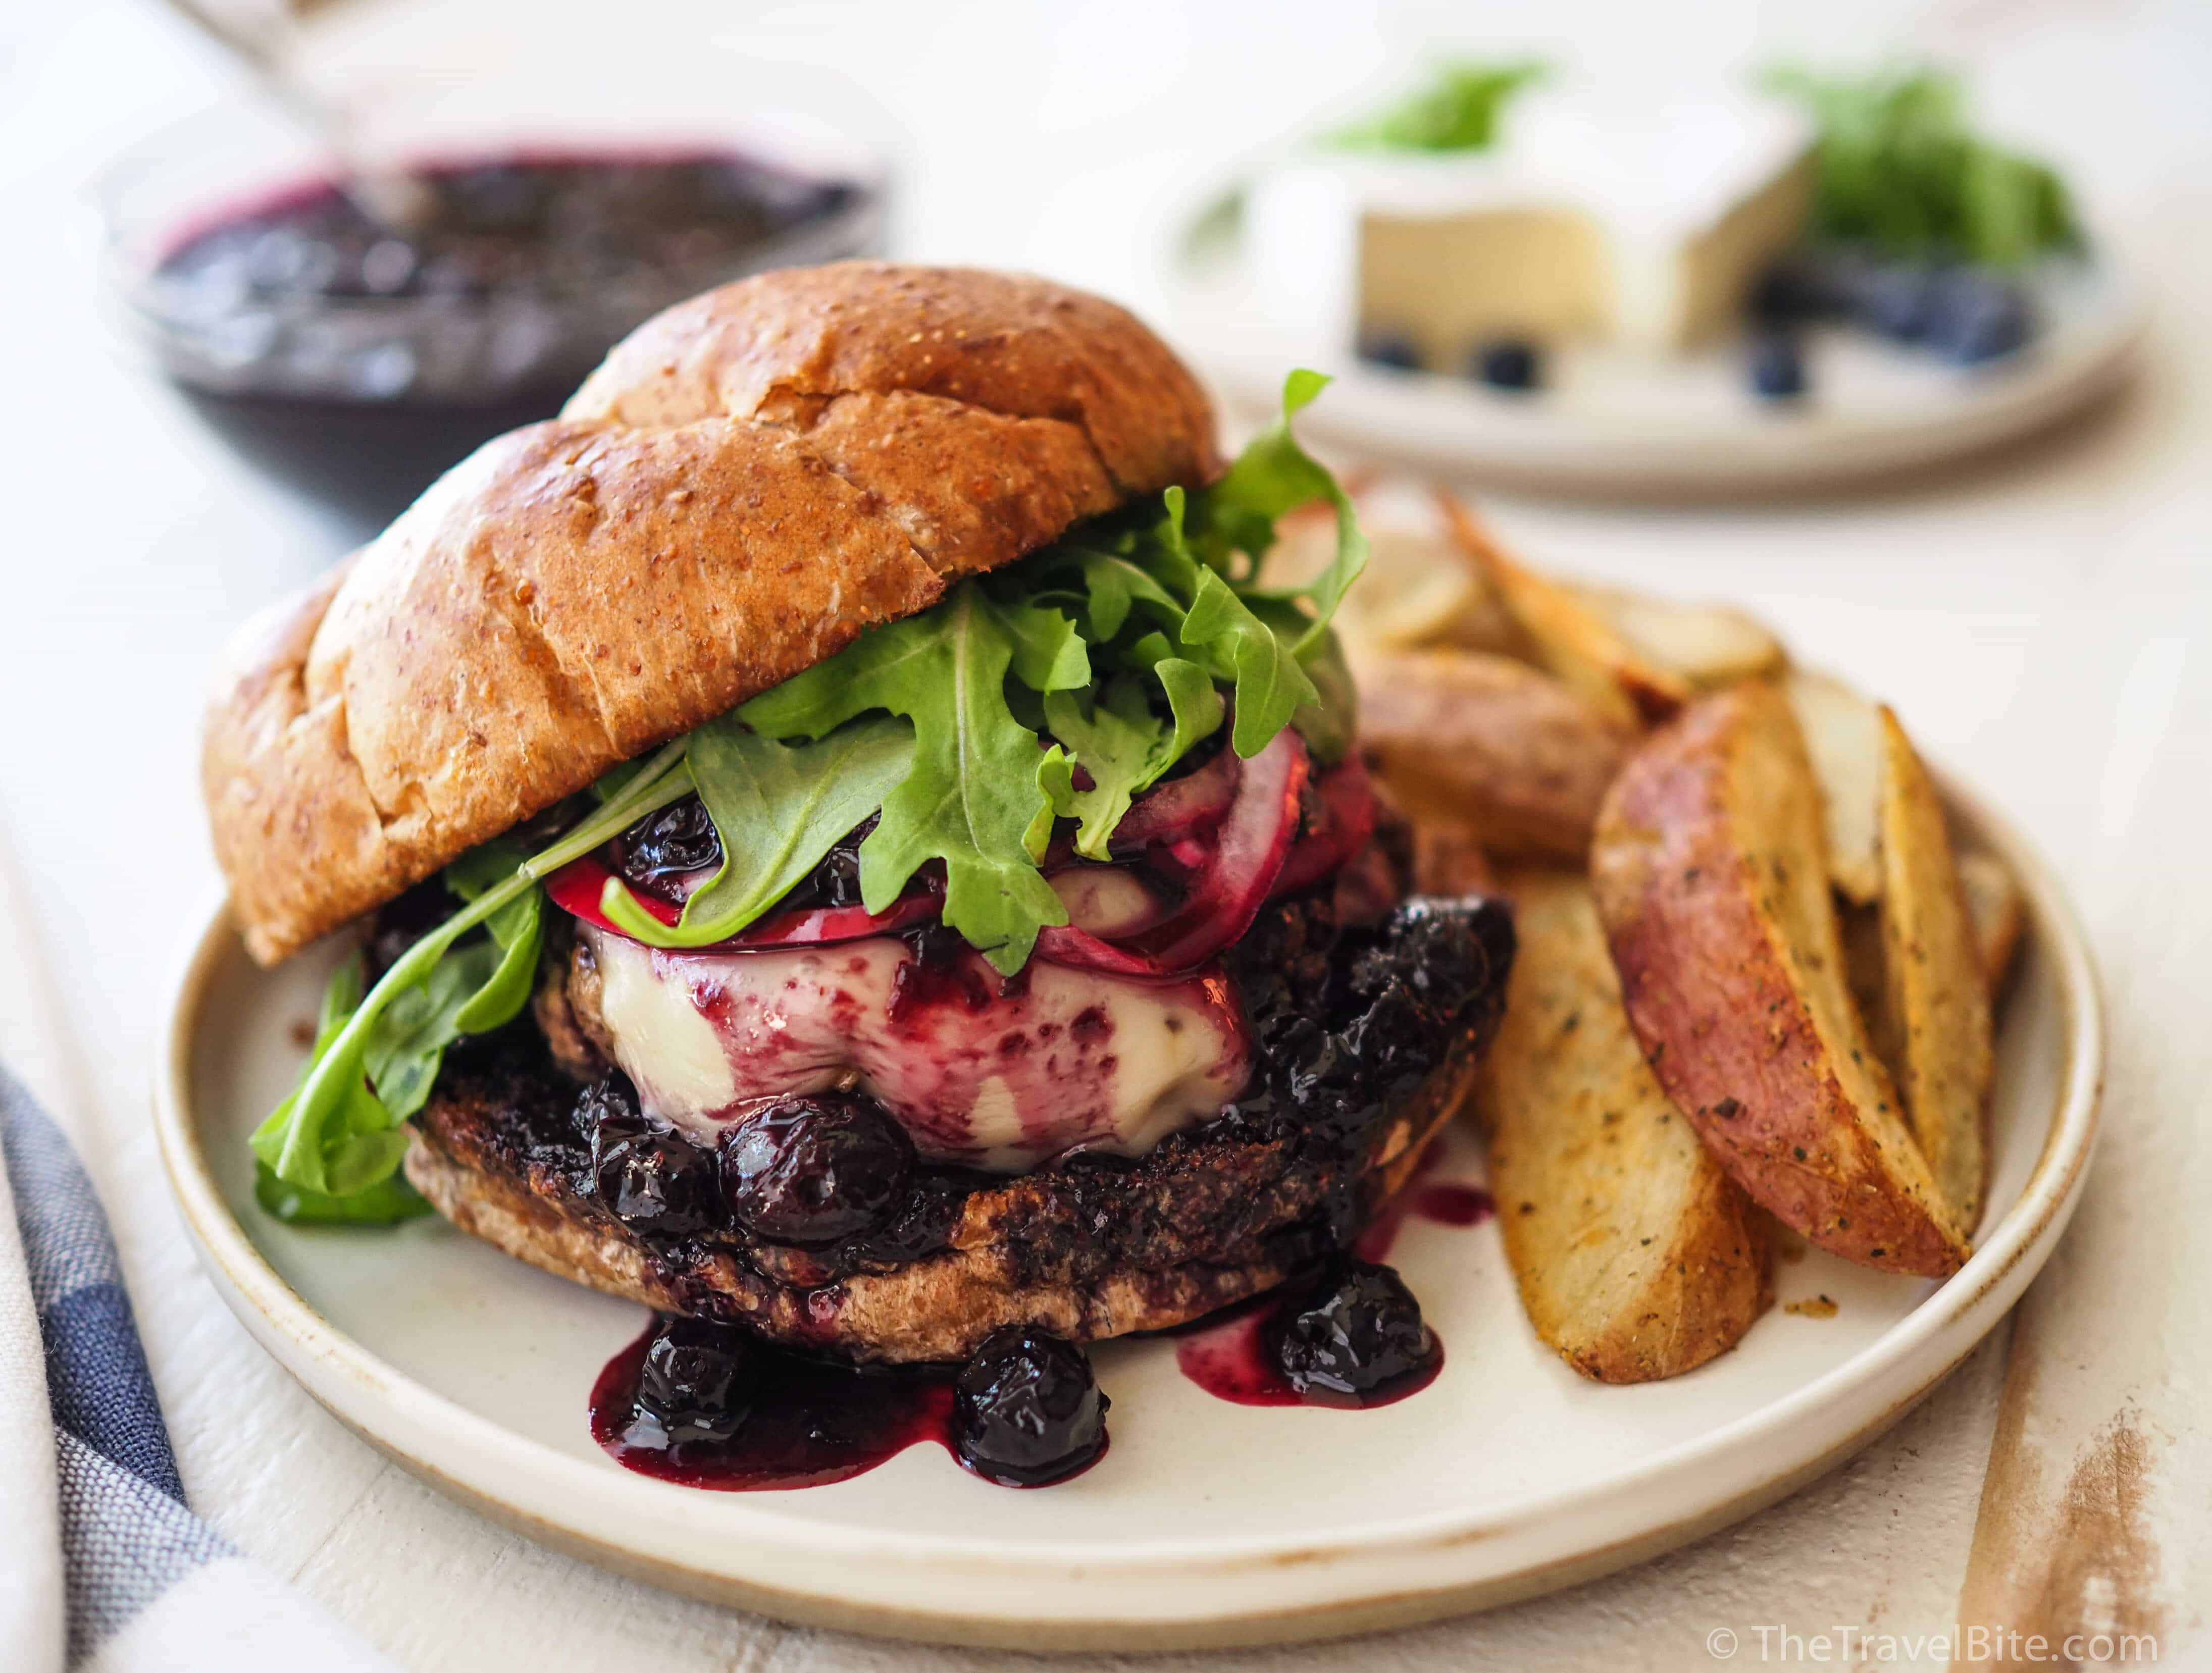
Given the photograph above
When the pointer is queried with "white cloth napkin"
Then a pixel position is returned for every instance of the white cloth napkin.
(102, 1565)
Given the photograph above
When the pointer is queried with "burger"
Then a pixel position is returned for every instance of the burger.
(843, 839)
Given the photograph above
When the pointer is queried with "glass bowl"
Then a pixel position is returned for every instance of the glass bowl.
(355, 362)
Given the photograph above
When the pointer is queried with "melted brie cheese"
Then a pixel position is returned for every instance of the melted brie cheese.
(990, 1079)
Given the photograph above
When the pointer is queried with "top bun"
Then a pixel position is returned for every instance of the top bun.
(751, 479)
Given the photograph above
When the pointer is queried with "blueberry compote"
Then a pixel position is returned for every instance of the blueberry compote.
(1350, 1335)
(1026, 1410)
(358, 361)
(713, 1406)
(813, 1171)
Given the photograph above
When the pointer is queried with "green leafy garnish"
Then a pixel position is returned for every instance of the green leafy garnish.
(779, 808)
(381, 1203)
(1100, 661)
(972, 798)
(377, 1054)
(1899, 171)
(1458, 111)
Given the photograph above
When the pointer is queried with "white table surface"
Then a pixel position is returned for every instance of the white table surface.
(2041, 621)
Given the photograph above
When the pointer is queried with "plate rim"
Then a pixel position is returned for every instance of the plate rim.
(474, 1459)
(1751, 454)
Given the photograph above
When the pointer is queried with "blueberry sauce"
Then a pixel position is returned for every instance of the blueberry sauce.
(1349, 1337)
(1455, 1205)
(812, 1423)
(713, 1406)
(358, 361)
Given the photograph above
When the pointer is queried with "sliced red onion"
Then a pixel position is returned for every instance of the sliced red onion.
(1346, 795)
(1180, 807)
(1226, 892)
(1066, 944)
(1111, 902)
(578, 886)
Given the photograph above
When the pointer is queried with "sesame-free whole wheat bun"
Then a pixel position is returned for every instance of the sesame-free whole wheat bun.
(752, 478)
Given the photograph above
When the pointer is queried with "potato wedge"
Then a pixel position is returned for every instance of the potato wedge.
(1712, 876)
(1842, 738)
(1935, 992)
(1422, 587)
(1493, 745)
(1710, 646)
(1568, 636)
(1449, 860)
(1993, 902)
(1637, 1255)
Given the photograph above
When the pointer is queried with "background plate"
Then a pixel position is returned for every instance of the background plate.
(1614, 423)
(1207, 1524)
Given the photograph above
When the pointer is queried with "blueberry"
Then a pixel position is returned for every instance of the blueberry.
(1354, 1329)
(1026, 1409)
(1394, 350)
(1798, 288)
(1894, 300)
(813, 1170)
(1976, 317)
(679, 838)
(695, 1385)
(658, 1184)
(1507, 363)
(1777, 365)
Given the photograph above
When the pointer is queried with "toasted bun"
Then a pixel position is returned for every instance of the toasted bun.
(749, 480)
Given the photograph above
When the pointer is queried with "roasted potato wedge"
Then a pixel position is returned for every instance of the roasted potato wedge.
(1710, 871)
(1492, 745)
(1422, 587)
(1843, 738)
(1570, 637)
(1449, 860)
(1993, 902)
(1637, 1255)
(1710, 646)
(1935, 989)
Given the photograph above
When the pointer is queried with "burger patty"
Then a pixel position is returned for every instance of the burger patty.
(1365, 1038)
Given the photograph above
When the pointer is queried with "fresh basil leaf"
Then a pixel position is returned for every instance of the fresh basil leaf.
(779, 808)
(971, 797)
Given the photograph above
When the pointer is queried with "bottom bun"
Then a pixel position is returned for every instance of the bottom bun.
(1087, 1248)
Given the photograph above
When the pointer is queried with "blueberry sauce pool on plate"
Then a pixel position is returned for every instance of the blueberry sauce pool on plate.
(1350, 1336)
(714, 1406)
(358, 361)
(810, 1421)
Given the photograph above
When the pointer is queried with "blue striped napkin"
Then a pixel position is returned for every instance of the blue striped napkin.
(142, 1583)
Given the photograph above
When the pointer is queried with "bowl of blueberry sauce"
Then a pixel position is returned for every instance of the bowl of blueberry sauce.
(354, 360)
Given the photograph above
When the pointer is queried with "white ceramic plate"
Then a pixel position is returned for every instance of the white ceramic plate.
(1609, 422)
(1207, 1523)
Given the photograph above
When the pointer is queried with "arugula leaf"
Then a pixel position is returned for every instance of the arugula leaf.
(1900, 170)
(394, 1198)
(1457, 112)
(386, 1203)
(378, 1052)
(779, 808)
(1048, 654)
(971, 797)
(1274, 476)
(1119, 742)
